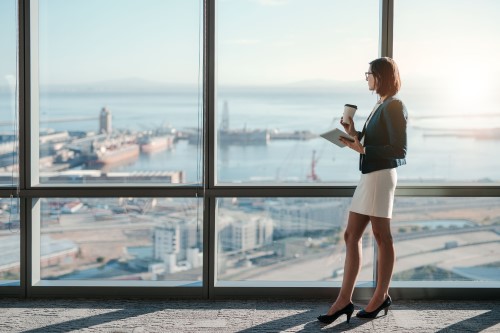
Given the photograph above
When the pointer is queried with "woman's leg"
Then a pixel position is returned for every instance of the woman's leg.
(356, 225)
(386, 256)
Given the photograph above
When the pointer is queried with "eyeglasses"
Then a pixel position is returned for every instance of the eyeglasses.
(368, 73)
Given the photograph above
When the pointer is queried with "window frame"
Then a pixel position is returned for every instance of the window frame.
(210, 191)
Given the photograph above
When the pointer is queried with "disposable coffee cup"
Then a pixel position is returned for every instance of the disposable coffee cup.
(349, 111)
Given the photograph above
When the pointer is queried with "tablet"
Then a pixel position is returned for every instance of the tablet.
(333, 136)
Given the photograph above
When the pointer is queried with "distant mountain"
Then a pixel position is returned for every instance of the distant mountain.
(140, 85)
(306, 86)
(324, 83)
(119, 85)
(127, 82)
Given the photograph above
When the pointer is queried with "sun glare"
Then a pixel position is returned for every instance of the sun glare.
(468, 91)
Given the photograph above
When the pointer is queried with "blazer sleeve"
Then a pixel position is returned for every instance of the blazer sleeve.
(395, 119)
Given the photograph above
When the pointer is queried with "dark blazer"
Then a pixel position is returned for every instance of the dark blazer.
(385, 137)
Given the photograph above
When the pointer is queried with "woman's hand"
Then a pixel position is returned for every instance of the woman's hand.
(349, 128)
(356, 145)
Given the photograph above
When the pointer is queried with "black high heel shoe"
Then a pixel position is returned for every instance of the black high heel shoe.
(347, 310)
(384, 306)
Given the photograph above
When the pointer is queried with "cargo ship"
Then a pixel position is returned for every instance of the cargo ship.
(243, 137)
(105, 155)
(152, 144)
(227, 136)
(296, 135)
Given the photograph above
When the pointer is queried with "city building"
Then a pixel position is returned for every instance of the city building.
(105, 121)
(244, 231)
(176, 246)
(296, 217)
(166, 241)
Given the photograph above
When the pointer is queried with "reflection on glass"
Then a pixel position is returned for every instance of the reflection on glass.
(283, 82)
(451, 81)
(123, 103)
(8, 94)
(285, 239)
(153, 239)
(447, 239)
(10, 238)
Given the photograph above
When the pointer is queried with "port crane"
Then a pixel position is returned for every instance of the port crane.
(313, 175)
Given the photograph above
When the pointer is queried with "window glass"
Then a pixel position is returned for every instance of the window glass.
(136, 239)
(120, 91)
(8, 94)
(446, 239)
(301, 239)
(285, 69)
(450, 83)
(285, 239)
(10, 238)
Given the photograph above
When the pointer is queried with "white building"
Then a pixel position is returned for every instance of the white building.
(242, 231)
(295, 216)
(176, 244)
(166, 241)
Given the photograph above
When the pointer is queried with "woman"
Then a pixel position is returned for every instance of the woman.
(382, 147)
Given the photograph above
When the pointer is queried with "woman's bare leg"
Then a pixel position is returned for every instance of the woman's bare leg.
(386, 256)
(356, 225)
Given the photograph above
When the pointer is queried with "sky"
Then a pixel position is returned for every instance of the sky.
(453, 48)
(289, 41)
(7, 41)
(259, 42)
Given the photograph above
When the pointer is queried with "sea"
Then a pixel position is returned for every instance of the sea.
(442, 146)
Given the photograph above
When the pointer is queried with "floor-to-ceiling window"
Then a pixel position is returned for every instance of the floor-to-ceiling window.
(173, 148)
(451, 81)
(10, 236)
(281, 83)
(116, 102)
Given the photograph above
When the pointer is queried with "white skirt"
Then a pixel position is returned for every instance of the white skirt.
(374, 195)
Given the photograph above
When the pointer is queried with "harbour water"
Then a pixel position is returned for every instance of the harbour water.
(438, 148)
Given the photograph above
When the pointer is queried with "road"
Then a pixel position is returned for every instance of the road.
(474, 248)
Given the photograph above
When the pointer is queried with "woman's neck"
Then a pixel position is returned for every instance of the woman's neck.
(383, 98)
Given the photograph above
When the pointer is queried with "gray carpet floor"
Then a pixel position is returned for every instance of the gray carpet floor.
(140, 316)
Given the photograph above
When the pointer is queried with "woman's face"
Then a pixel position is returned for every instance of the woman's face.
(370, 79)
